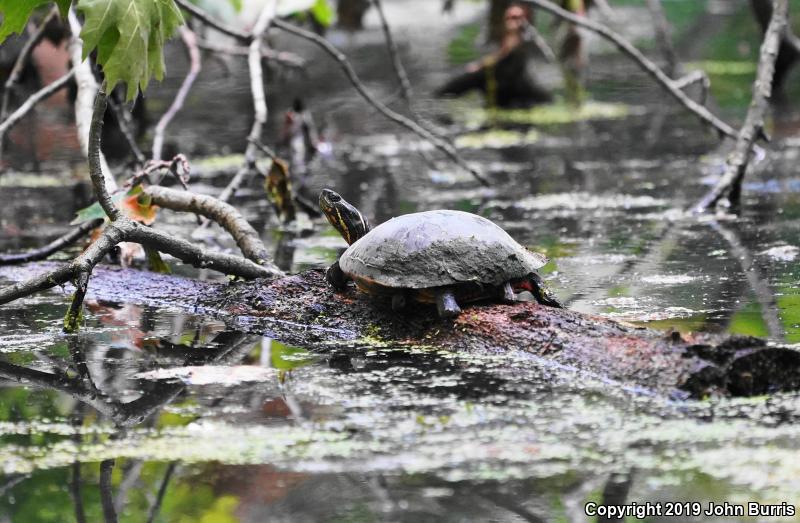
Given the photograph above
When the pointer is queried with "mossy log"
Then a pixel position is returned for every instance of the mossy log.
(303, 310)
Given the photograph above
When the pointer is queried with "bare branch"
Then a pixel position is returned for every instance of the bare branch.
(663, 36)
(399, 70)
(409, 124)
(19, 65)
(259, 100)
(51, 248)
(40, 95)
(196, 256)
(730, 183)
(283, 58)
(219, 26)
(645, 63)
(124, 123)
(190, 40)
(95, 163)
(224, 214)
(87, 89)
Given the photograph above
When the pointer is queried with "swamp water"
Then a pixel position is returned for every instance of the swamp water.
(237, 427)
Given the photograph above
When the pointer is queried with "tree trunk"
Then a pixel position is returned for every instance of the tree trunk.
(303, 310)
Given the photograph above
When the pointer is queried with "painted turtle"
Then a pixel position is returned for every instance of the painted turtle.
(441, 257)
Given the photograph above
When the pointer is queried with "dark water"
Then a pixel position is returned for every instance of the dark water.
(236, 427)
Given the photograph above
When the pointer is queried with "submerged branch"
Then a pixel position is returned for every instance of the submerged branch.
(730, 184)
(409, 124)
(645, 63)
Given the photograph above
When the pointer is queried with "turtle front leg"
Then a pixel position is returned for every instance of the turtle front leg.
(335, 277)
(446, 304)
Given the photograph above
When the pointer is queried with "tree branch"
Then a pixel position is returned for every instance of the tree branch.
(19, 65)
(219, 26)
(87, 89)
(259, 99)
(409, 124)
(190, 40)
(51, 248)
(94, 156)
(40, 95)
(663, 36)
(645, 63)
(283, 58)
(124, 123)
(730, 183)
(224, 214)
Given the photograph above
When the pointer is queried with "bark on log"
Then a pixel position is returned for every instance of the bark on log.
(303, 310)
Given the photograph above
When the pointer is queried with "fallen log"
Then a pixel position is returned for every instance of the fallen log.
(303, 310)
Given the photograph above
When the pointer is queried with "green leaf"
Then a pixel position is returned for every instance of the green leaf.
(17, 12)
(322, 13)
(129, 36)
(236, 4)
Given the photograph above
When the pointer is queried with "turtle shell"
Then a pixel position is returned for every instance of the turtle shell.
(438, 248)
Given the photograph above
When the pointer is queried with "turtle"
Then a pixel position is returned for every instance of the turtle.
(442, 257)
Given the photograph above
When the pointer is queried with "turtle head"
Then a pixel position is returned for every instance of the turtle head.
(345, 218)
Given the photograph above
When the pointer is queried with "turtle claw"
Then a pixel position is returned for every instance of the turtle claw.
(446, 305)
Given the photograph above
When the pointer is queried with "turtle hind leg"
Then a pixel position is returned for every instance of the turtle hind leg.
(335, 277)
(446, 304)
(543, 293)
(398, 301)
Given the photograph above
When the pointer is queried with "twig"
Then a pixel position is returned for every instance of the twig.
(406, 91)
(42, 94)
(413, 126)
(695, 77)
(283, 58)
(533, 35)
(124, 124)
(399, 70)
(106, 495)
(56, 245)
(663, 36)
(219, 26)
(190, 41)
(645, 63)
(19, 66)
(259, 100)
(87, 89)
(730, 184)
